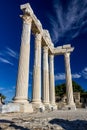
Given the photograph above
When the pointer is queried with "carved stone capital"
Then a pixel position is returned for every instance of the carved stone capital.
(27, 19)
(38, 36)
(45, 49)
(67, 55)
(26, 8)
(51, 56)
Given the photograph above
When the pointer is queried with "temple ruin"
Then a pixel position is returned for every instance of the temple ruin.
(43, 43)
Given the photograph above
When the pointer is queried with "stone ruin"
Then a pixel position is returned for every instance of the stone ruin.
(43, 43)
(80, 100)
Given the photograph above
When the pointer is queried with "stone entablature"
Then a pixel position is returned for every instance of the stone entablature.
(37, 28)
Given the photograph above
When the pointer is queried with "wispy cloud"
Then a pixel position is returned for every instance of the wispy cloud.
(6, 56)
(3, 60)
(68, 19)
(76, 76)
(61, 76)
(81, 74)
(8, 91)
(11, 53)
(1, 88)
(84, 73)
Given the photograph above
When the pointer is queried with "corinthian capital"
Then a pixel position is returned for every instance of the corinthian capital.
(27, 19)
(38, 36)
(51, 57)
(67, 55)
(45, 49)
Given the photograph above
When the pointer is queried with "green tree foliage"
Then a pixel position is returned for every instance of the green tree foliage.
(2, 96)
(77, 87)
(84, 95)
(61, 89)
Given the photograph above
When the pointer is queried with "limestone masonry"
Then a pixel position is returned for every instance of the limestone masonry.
(43, 43)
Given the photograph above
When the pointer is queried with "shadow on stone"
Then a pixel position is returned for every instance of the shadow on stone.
(6, 124)
(70, 125)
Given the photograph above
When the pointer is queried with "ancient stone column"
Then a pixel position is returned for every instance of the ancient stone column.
(51, 80)
(23, 69)
(36, 95)
(69, 89)
(45, 76)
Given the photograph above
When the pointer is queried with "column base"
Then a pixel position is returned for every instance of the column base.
(20, 100)
(36, 101)
(46, 103)
(26, 107)
(47, 106)
(70, 107)
(53, 106)
(38, 106)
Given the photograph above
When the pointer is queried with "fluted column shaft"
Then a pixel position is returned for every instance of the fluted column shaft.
(69, 89)
(51, 79)
(45, 76)
(36, 95)
(23, 69)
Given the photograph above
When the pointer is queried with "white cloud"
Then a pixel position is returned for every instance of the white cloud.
(3, 60)
(66, 22)
(11, 53)
(85, 69)
(76, 76)
(8, 53)
(5, 56)
(61, 76)
(8, 91)
(84, 73)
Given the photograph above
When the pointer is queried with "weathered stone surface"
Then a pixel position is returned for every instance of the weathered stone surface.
(31, 22)
(45, 90)
(69, 89)
(37, 28)
(16, 107)
(36, 96)
(51, 80)
(67, 46)
(56, 120)
(23, 69)
(9, 108)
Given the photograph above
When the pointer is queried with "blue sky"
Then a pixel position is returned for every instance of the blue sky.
(66, 21)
